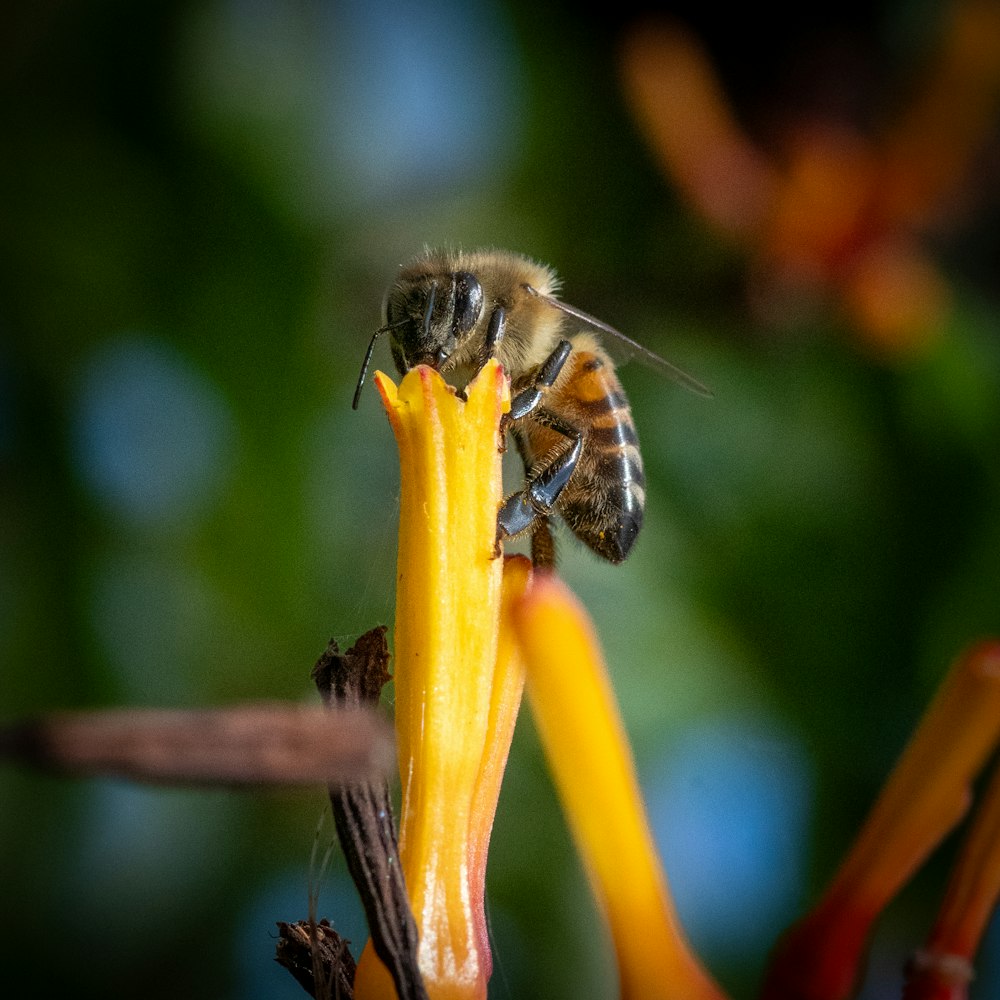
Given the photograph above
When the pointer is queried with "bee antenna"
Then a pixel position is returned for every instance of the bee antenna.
(364, 366)
(368, 357)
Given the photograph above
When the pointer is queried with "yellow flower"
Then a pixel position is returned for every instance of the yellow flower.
(465, 619)
(587, 750)
(452, 734)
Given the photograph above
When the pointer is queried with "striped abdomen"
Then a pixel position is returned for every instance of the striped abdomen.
(603, 501)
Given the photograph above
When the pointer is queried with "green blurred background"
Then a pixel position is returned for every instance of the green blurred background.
(200, 207)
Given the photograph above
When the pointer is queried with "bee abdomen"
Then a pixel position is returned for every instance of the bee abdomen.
(606, 510)
(604, 503)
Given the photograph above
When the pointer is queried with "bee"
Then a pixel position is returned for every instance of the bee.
(569, 416)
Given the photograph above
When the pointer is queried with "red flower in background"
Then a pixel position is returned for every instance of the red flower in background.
(834, 214)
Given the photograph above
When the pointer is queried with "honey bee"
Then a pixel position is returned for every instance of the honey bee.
(569, 416)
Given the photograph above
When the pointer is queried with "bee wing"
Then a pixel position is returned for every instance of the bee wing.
(631, 348)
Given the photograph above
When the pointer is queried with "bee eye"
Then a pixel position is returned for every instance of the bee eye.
(468, 302)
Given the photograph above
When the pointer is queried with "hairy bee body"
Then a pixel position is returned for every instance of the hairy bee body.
(532, 325)
(569, 415)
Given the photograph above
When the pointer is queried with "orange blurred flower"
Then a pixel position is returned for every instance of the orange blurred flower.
(835, 214)
(927, 794)
(942, 969)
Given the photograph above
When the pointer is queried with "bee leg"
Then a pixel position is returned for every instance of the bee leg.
(535, 502)
(495, 331)
(530, 508)
(528, 398)
(543, 545)
(494, 335)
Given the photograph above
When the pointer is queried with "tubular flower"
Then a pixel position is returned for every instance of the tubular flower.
(587, 750)
(927, 794)
(942, 970)
(458, 680)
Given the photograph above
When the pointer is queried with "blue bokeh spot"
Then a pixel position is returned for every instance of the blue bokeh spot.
(729, 805)
(153, 436)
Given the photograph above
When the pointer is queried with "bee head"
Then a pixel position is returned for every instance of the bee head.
(431, 316)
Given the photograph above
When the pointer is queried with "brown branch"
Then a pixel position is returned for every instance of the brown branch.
(362, 812)
(257, 744)
(312, 952)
